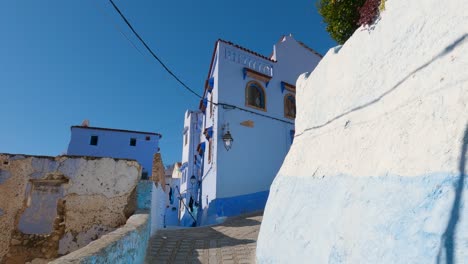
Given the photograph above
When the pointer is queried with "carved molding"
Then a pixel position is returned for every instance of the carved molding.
(289, 87)
(256, 75)
(250, 62)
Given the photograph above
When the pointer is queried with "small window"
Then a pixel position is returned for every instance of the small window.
(133, 142)
(290, 106)
(186, 138)
(210, 149)
(211, 104)
(144, 175)
(93, 141)
(255, 96)
(148, 138)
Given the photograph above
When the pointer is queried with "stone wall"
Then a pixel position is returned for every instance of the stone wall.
(125, 245)
(158, 171)
(50, 206)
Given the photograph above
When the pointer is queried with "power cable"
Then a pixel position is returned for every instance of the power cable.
(179, 80)
(152, 53)
(116, 26)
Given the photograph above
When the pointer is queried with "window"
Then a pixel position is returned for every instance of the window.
(185, 138)
(290, 106)
(93, 141)
(210, 149)
(148, 138)
(211, 105)
(144, 175)
(255, 96)
(133, 142)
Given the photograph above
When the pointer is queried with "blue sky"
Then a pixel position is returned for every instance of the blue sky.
(65, 61)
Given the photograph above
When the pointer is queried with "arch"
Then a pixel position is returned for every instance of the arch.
(255, 96)
(290, 106)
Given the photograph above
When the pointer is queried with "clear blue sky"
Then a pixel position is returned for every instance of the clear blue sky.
(64, 61)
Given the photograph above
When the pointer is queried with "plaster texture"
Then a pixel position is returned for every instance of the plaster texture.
(128, 243)
(125, 245)
(376, 173)
(54, 205)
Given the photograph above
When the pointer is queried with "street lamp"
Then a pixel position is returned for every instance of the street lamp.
(227, 139)
(193, 180)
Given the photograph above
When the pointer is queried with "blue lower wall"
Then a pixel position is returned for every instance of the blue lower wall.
(382, 219)
(233, 206)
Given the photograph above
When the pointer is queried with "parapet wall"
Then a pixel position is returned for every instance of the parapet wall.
(125, 245)
(50, 206)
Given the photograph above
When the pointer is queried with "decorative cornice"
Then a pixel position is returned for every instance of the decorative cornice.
(289, 87)
(256, 75)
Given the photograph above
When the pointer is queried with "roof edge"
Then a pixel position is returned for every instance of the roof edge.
(118, 130)
(246, 50)
(309, 48)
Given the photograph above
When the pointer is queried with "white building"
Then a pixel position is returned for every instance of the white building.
(115, 143)
(253, 98)
(191, 164)
(172, 181)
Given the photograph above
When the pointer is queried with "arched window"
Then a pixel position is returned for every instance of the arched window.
(290, 106)
(255, 96)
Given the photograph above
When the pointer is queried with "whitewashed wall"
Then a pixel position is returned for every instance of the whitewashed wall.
(377, 170)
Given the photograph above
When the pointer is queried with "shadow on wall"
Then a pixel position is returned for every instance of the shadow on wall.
(441, 54)
(234, 206)
(207, 244)
(448, 243)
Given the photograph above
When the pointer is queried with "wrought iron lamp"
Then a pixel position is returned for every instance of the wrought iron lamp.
(193, 180)
(227, 139)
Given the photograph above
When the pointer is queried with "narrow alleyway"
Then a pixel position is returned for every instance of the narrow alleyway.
(233, 241)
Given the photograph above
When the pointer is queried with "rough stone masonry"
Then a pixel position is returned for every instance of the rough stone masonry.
(51, 206)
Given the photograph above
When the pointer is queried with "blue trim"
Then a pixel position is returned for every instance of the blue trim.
(210, 84)
(208, 132)
(201, 148)
(233, 206)
(184, 165)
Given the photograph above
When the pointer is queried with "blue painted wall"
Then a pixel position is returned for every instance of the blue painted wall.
(365, 219)
(233, 206)
(115, 144)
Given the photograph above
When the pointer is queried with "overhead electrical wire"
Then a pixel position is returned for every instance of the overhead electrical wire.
(178, 79)
(151, 52)
(117, 27)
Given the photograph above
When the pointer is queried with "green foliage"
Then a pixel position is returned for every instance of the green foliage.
(341, 17)
(382, 5)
